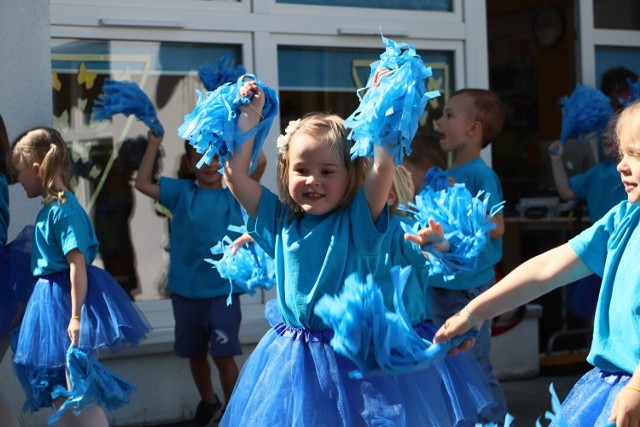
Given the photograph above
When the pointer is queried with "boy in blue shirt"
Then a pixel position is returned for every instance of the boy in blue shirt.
(471, 119)
(203, 321)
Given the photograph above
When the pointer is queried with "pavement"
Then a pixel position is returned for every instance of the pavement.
(527, 399)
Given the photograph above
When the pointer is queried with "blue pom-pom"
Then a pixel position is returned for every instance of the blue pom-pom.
(464, 221)
(225, 71)
(211, 127)
(92, 383)
(375, 339)
(585, 110)
(634, 93)
(388, 114)
(249, 268)
(125, 97)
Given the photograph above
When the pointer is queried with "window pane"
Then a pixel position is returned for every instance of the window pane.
(326, 79)
(610, 57)
(132, 233)
(433, 5)
(617, 14)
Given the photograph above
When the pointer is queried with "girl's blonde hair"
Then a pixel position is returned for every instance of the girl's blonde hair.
(329, 129)
(403, 187)
(45, 146)
(628, 126)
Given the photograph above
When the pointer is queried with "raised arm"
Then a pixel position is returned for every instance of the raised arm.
(378, 181)
(236, 172)
(260, 167)
(560, 177)
(144, 180)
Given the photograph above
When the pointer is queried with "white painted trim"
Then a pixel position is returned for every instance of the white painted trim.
(618, 38)
(586, 43)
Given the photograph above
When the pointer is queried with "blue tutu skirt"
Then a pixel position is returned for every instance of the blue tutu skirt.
(469, 395)
(109, 320)
(294, 378)
(591, 399)
(16, 280)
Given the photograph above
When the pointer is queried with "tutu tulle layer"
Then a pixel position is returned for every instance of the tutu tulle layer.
(16, 280)
(109, 320)
(294, 378)
(469, 395)
(591, 399)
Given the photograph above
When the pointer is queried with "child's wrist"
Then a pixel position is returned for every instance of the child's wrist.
(471, 318)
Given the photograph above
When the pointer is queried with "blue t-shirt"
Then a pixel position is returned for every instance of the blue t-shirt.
(600, 187)
(610, 248)
(200, 220)
(61, 227)
(4, 209)
(397, 251)
(476, 176)
(314, 254)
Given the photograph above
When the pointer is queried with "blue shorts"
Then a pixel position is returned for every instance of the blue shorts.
(203, 324)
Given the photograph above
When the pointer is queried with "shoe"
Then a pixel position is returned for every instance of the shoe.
(206, 413)
(215, 420)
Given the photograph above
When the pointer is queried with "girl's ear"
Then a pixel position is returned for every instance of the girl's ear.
(392, 199)
(36, 167)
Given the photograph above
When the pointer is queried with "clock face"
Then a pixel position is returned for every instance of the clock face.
(548, 26)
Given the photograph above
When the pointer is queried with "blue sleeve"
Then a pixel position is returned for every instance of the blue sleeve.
(72, 233)
(367, 235)
(592, 244)
(264, 228)
(580, 184)
(170, 191)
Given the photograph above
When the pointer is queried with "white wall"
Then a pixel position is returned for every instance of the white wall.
(25, 84)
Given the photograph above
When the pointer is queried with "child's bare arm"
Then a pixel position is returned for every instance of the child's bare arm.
(78, 278)
(260, 167)
(378, 181)
(236, 171)
(144, 180)
(497, 232)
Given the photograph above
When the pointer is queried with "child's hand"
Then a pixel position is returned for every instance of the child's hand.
(74, 330)
(153, 138)
(455, 326)
(626, 408)
(377, 76)
(251, 89)
(240, 242)
(556, 149)
(433, 233)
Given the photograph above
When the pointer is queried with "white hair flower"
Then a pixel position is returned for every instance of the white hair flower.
(283, 140)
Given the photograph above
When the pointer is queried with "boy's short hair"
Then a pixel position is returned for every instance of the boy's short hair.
(488, 110)
(617, 78)
(426, 151)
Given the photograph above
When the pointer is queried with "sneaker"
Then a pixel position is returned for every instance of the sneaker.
(207, 412)
(215, 420)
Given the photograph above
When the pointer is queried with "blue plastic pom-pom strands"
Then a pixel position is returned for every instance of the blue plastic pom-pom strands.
(225, 71)
(464, 221)
(584, 111)
(388, 114)
(125, 97)
(249, 268)
(211, 127)
(375, 339)
(92, 383)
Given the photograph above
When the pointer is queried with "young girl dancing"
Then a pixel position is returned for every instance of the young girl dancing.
(611, 390)
(73, 302)
(329, 224)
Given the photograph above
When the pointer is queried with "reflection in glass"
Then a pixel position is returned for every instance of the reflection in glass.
(609, 57)
(326, 79)
(616, 14)
(432, 5)
(106, 154)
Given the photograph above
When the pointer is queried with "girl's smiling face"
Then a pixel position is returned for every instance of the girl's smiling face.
(317, 175)
(628, 131)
